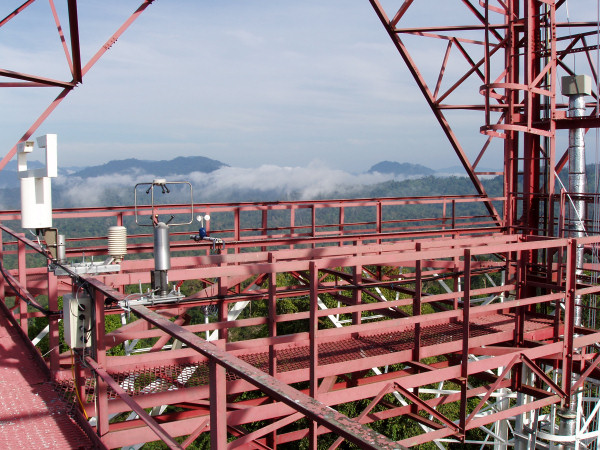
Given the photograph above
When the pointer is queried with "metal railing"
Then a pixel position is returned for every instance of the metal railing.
(350, 275)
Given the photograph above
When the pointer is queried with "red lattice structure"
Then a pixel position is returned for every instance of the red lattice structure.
(442, 325)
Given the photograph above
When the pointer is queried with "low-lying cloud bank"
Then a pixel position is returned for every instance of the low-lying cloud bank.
(267, 182)
(303, 183)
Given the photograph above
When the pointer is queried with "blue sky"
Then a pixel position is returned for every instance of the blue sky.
(247, 82)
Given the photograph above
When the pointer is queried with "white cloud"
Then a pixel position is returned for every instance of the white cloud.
(308, 182)
(282, 183)
(274, 83)
(77, 191)
(248, 83)
(247, 38)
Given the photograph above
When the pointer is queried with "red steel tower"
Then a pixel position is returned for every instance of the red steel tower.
(469, 321)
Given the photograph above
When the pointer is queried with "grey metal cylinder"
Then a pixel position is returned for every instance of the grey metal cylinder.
(61, 254)
(162, 252)
(577, 185)
(576, 88)
(567, 426)
(160, 282)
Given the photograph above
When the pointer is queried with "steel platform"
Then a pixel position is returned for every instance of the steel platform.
(33, 414)
(493, 329)
(492, 317)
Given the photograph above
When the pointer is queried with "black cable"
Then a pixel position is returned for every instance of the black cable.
(17, 292)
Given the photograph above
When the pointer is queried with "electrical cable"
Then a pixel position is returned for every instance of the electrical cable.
(37, 238)
(17, 292)
(570, 33)
(579, 218)
(592, 298)
(596, 210)
(76, 387)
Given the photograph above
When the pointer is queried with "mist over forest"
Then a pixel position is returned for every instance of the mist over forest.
(112, 184)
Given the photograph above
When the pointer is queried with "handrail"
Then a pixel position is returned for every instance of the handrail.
(21, 237)
(97, 211)
(291, 229)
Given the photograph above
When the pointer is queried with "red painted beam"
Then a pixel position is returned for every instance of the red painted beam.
(339, 423)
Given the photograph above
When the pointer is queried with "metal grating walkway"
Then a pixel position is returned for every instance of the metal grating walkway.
(166, 378)
(32, 415)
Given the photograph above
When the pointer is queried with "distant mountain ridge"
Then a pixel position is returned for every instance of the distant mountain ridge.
(460, 170)
(88, 186)
(183, 165)
(9, 176)
(404, 168)
(418, 170)
(179, 165)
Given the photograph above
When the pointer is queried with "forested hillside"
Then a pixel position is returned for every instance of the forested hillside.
(103, 190)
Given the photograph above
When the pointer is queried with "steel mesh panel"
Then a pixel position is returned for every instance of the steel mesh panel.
(164, 378)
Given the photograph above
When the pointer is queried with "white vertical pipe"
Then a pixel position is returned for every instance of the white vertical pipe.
(577, 184)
